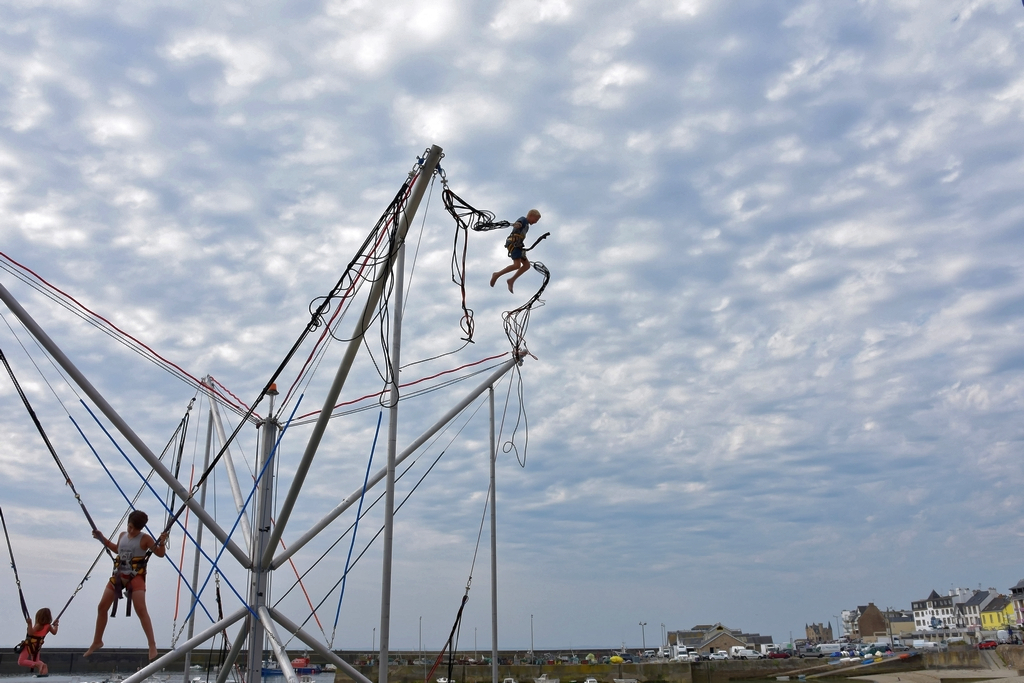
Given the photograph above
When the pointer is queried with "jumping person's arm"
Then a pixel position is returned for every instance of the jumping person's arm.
(98, 535)
(53, 627)
(159, 547)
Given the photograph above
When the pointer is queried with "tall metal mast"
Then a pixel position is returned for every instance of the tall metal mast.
(259, 583)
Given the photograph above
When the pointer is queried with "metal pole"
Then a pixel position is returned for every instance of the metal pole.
(389, 487)
(259, 585)
(190, 644)
(376, 290)
(199, 539)
(275, 644)
(229, 468)
(318, 647)
(116, 420)
(353, 497)
(494, 544)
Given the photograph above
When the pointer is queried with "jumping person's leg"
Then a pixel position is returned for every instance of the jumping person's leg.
(508, 269)
(139, 603)
(101, 619)
(522, 265)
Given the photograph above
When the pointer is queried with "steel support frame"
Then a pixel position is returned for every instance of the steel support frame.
(189, 645)
(115, 419)
(432, 158)
(353, 497)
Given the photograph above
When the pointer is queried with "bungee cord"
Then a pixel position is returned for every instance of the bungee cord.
(14, 566)
(398, 507)
(130, 502)
(347, 281)
(46, 440)
(182, 432)
(104, 550)
(175, 633)
(451, 645)
(252, 492)
(305, 418)
(516, 321)
(355, 528)
(469, 218)
(80, 310)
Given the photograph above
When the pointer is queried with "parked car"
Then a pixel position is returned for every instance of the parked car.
(987, 645)
(775, 654)
(721, 654)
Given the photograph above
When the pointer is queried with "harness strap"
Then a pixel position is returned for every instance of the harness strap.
(33, 644)
(138, 565)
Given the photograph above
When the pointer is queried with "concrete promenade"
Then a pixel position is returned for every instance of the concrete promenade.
(959, 666)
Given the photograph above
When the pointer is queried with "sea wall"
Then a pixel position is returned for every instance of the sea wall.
(669, 672)
(1012, 655)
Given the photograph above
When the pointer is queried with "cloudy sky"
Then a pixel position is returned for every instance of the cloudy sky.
(779, 369)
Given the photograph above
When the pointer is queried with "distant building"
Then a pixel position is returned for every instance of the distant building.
(848, 627)
(900, 622)
(998, 614)
(1017, 596)
(818, 633)
(706, 638)
(968, 614)
(871, 623)
(935, 611)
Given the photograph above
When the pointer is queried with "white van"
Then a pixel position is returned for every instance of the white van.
(828, 648)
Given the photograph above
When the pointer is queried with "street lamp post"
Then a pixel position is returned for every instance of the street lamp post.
(643, 638)
(664, 637)
(531, 634)
(839, 625)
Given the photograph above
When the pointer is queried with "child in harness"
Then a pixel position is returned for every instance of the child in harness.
(29, 655)
(517, 248)
(133, 548)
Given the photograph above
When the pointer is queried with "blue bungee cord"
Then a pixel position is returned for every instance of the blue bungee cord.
(238, 517)
(128, 500)
(355, 528)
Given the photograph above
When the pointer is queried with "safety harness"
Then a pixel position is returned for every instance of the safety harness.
(33, 643)
(126, 570)
(514, 241)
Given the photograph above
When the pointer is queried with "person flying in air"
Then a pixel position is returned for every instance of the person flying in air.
(517, 249)
(129, 575)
